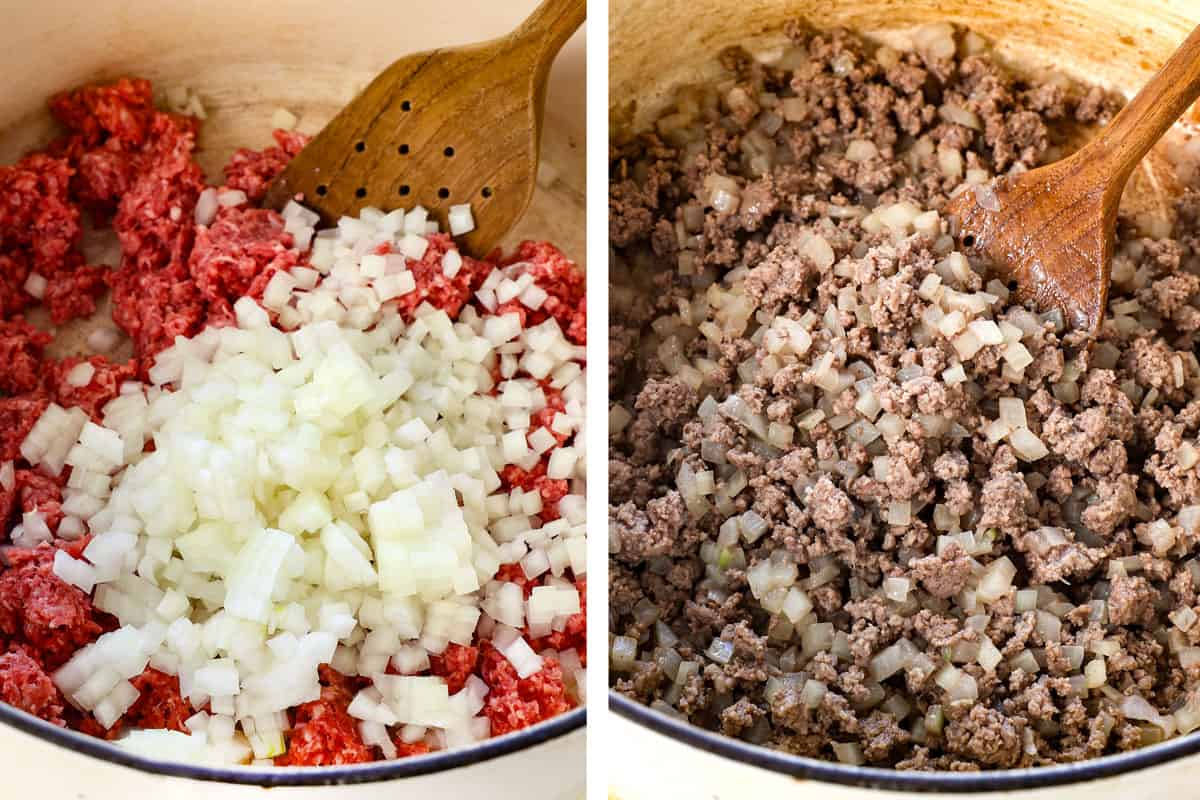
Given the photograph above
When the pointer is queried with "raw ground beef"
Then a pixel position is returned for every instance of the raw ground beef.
(563, 282)
(41, 614)
(513, 702)
(775, 357)
(323, 733)
(24, 684)
(130, 166)
(17, 416)
(456, 664)
(252, 171)
(21, 347)
(161, 705)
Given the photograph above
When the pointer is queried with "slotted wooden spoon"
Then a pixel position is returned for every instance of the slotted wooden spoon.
(1051, 230)
(441, 128)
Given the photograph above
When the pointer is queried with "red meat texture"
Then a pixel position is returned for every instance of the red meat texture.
(154, 308)
(433, 287)
(514, 703)
(18, 415)
(235, 256)
(21, 347)
(565, 284)
(324, 734)
(120, 113)
(25, 685)
(405, 749)
(53, 618)
(36, 214)
(455, 665)
(8, 507)
(239, 253)
(551, 489)
(155, 219)
(14, 271)
(160, 705)
(40, 233)
(573, 636)
(72, 295)
(94, 396)
(252, 171)
(135, 164)
(38, 492)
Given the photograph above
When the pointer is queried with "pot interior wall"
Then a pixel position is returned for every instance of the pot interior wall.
(1117, 43)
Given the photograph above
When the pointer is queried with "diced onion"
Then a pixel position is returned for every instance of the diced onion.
(896, 589)
(460, 219)
(1027, 446)
(35, 285)
(996, 580)
(1136, 707)
(849, 753)
(892, 659)
(860, 150)
(284, 119)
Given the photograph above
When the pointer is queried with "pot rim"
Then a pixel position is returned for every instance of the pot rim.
(269, 777)
(804, 768)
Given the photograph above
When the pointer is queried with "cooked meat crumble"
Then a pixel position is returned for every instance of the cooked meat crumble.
(864, 504)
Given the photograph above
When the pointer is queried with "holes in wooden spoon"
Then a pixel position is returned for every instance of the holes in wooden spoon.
(448, 152)
(443, 192)
(322, 190)
(360, 192)
(406, 106)
(404, 190)
(403, 149)
(360, 146)
(487, 191)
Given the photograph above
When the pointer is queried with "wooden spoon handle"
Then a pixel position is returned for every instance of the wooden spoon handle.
(549, 27)
(1157, 107)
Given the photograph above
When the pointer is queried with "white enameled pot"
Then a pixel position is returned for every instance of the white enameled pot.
(1118, 43)
(245, 59)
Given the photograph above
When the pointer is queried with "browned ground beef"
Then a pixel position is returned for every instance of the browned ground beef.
(776, 358)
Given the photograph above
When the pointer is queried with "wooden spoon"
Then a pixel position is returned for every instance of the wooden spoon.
(1051, 230)
(441, 128)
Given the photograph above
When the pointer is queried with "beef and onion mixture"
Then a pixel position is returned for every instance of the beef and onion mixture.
(332, 509)
(865, 505)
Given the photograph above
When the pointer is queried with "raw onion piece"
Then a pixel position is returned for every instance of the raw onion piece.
(284, 119)
(35, 285)
(460, 219)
